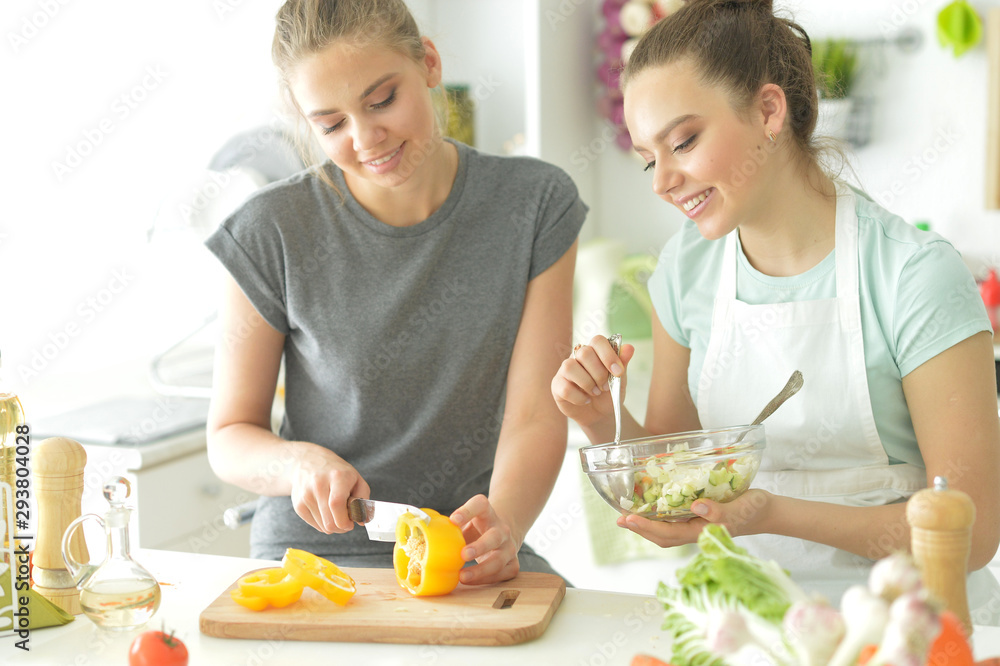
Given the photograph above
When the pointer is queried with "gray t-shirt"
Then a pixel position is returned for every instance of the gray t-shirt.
(397, 339)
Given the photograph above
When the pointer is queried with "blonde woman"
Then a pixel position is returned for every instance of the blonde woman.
(781, 267)
(419, 293)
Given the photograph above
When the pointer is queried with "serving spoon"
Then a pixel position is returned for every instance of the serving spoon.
(792, 387)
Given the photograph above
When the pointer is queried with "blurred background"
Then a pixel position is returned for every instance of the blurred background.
(114, 111)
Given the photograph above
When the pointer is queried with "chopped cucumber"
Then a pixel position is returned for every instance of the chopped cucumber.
(666, 487)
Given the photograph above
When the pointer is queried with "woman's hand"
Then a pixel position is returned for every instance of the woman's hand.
(322, 482)
(489, 541)
(744, 515)
(580, 386)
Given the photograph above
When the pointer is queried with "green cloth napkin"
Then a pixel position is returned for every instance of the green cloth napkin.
(612, 544)
(44, 613)
(41, 611)
(6, 604)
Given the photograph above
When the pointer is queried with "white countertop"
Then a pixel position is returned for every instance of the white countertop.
(590, 627)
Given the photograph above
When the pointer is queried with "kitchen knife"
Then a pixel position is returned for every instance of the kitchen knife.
(380, 518)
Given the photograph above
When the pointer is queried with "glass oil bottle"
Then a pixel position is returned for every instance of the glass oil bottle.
(118, 594)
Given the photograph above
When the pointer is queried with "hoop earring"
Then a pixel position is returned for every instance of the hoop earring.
(771, 136)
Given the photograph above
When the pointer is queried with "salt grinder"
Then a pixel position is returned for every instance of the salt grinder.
(57, 466)
(941, 538)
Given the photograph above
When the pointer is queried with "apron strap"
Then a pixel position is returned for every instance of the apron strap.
(849, 299)
(726, 293)
(846, 255)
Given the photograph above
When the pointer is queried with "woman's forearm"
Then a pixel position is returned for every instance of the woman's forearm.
(318, 481)
(254, 458)
(872, 531)
(527, 463)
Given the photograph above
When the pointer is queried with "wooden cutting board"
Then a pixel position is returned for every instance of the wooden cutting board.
(382, 612)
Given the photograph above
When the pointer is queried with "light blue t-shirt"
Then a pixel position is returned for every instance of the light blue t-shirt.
(917, 299)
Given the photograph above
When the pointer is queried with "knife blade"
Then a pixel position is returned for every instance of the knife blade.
(380, 518)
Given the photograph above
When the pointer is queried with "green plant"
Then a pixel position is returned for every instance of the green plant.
(835, 62)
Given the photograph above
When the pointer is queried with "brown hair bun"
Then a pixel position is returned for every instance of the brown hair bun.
(739, 45)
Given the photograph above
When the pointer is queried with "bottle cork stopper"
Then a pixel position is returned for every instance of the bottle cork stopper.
(57, 471)
(941, 538)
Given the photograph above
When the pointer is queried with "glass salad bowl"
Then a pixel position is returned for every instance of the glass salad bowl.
(660, 477)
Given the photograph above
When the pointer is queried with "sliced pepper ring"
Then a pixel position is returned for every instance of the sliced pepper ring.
(274, 586)
(320, 574)
(253, 603)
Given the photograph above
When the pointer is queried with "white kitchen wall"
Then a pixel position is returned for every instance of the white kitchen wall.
(113, 107)
(926, 158)
(114, 110)
(110, 109)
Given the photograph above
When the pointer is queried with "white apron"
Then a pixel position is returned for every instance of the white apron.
(822, 444)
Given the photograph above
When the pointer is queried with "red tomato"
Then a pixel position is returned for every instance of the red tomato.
(156, 648)
(646, 660)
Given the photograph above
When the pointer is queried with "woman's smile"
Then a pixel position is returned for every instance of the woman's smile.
(387, 162)
(693, 206)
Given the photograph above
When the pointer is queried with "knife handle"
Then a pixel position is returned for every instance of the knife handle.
(358, 510)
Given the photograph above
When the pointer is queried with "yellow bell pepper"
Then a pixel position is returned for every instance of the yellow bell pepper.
(267, 587)
(428, 557)
(319, 574)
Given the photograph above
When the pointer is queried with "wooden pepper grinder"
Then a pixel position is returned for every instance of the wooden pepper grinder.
(941, 537)
(57, 466)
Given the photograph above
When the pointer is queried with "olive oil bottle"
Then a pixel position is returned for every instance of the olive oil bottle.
(11, 417)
